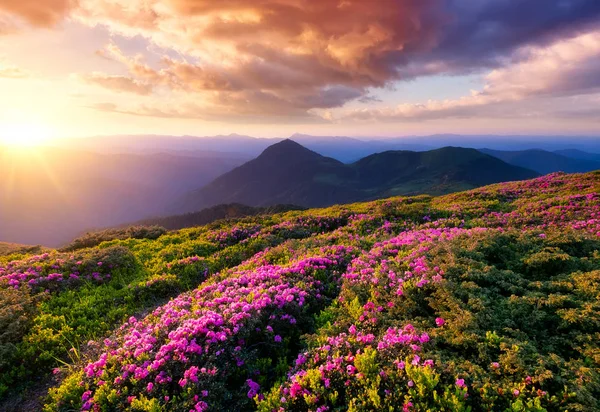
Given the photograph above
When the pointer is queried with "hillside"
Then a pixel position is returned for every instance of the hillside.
(479, 300)
(578, 154)
(289, 173)
(14, 248)
(439, 171)
(212, 214)
(285, 173)
(545, 162)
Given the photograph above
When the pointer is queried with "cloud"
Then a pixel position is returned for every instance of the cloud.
(118, 83)
(539, 85)
(41, 13)
(290, 57)
(279, 56)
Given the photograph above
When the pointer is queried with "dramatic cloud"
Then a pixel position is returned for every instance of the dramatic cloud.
(279, 56)
(43, 13)
(567, 68)
(291, 56)
(296, 58)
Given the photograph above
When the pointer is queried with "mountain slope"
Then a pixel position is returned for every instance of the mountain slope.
(434, 172)
(211, 214)
(544, 162)
(285, 172)
(288, 173)
(578, 154)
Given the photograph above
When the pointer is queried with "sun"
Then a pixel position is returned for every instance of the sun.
(23, 135)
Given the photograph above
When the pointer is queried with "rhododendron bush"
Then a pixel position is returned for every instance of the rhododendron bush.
(482, 300)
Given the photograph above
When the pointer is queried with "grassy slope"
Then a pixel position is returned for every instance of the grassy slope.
(15, 248)
(54, 327)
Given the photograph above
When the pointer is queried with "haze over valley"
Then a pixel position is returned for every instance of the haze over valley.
(54, 193)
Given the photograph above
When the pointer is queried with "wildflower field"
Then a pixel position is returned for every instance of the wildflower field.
(486, 300)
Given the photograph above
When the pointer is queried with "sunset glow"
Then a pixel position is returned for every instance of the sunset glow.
(23, 135)
(272, 68)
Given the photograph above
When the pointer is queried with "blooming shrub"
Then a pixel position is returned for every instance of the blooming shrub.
(251, 322)
(481, 300)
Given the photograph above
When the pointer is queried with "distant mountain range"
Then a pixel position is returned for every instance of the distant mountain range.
(288, 173)
(343, 148)
(545, 162)
(49, 196)
(578, 154)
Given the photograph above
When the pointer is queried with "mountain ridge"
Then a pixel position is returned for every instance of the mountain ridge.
(544, 162)
(289, 173)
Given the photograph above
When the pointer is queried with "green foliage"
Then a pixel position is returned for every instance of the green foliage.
(92, 239)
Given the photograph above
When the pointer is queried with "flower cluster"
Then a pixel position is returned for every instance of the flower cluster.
(212, 335)
(47, 272)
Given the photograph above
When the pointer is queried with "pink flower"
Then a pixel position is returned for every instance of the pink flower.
(460, 383)
(440, 322)
(277, 338)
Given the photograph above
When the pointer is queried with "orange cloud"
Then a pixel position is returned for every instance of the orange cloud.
(42, 13)
(271, 56)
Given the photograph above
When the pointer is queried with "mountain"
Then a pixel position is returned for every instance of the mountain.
(578, 154)
(285, 173)
(348, 149)
(288, 173)
(51, 195)
(544, 162)
(434, 172)
(343, 148)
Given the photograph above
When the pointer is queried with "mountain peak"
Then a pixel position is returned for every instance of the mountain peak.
(289, 147)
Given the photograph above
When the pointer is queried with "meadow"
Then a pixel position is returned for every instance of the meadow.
(485, 300)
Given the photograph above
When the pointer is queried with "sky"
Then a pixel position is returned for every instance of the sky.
(73, 68)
